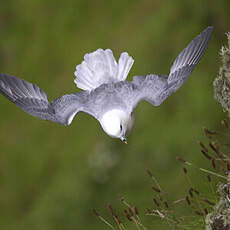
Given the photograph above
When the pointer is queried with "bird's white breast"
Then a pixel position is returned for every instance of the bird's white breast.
(111, 121)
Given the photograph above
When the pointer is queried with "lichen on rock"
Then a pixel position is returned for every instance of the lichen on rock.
(222, 82)
(219, 219)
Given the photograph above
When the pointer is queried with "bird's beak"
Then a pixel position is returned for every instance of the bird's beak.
(124, 140)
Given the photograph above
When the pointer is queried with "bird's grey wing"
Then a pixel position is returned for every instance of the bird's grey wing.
(67, 106)
(155, 89)
(33, 100)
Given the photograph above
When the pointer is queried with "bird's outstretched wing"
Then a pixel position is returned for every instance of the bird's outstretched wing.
(155, 89)
(33, 100)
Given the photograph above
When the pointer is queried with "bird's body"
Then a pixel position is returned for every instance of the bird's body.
(106, 95)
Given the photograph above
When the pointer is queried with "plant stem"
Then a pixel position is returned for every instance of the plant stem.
(106, 222)
(207, 171)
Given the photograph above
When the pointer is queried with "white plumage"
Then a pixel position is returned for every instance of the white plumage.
(100, 67)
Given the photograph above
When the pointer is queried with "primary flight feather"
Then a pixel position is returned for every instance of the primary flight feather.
(106, 94)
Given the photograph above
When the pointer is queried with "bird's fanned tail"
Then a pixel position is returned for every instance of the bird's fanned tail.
(100, 67)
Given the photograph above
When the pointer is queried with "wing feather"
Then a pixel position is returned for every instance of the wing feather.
(33, 100)
(191, 55)
(155, 89)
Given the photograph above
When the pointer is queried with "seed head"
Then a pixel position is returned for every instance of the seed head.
(185, 170)
(213, 163)
(202, 146)
(166, 204)
(127, 215)
(149, 172)
(136, 211)
(206, 155)
(187, 200)
(208, 177)
(209, 202)
(181, 159)
(156, 202)
(191, 192)
(95, 212)
(156, 189)
(199, 213)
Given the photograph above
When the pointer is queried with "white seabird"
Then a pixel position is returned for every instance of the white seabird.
(106, 95)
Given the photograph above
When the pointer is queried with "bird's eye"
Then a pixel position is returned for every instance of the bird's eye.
(121, 127)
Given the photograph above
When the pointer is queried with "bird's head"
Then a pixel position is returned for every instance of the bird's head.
(117, 123)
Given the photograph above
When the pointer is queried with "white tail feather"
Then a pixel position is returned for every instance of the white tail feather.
(100, 67)
(124, 65)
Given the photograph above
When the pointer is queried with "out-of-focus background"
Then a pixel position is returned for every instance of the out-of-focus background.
(52, 176)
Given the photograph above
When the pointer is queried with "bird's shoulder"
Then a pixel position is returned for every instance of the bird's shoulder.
(112, 95)
(114, 89)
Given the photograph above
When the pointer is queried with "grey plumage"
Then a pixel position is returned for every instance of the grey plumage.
(30, 98)
(155, 89)
(26, 96)
(122, 95)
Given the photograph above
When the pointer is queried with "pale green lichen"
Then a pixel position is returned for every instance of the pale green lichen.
(222, 82)
(219, 219)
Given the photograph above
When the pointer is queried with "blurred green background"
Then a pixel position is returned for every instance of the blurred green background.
(52, 176)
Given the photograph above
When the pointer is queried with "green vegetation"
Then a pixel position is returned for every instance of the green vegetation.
(52, 176)
(208, 208)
